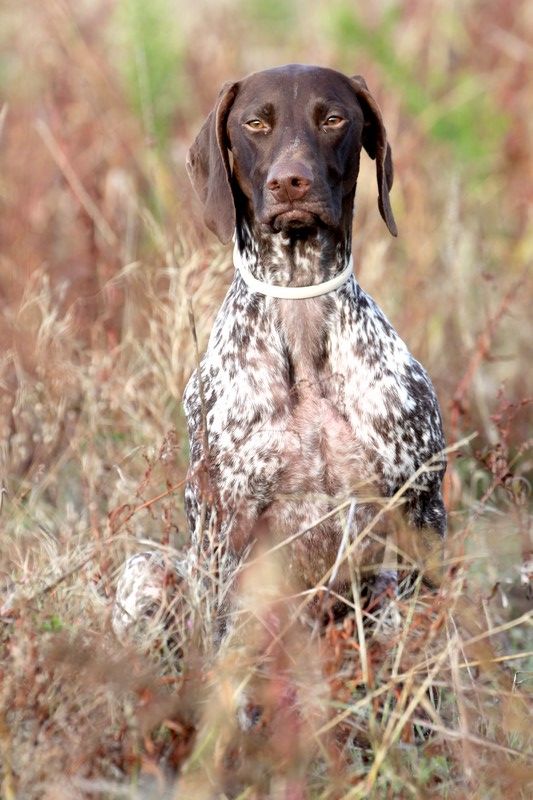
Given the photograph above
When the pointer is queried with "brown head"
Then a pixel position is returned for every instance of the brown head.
(280, 151)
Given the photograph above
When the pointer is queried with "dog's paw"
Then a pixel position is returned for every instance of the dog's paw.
(142, 594)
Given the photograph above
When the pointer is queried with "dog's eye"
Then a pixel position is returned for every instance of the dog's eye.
(333, 121)
(257, 125)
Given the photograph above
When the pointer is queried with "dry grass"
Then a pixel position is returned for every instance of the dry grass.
(101, 249)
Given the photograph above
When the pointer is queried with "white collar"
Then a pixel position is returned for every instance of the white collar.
(289, 292)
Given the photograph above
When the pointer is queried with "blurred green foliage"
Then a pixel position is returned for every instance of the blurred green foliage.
(272, 16)
(151, 60)
(52, 624)
(463, 115)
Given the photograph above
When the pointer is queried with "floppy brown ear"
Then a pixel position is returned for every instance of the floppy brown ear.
(376, 145)
(209, 168)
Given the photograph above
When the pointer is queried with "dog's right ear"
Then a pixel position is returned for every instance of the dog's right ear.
(209, 168)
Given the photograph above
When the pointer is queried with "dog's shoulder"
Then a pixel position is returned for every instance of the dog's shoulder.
(399, 387)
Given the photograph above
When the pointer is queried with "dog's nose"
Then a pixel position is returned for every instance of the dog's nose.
(289, 180)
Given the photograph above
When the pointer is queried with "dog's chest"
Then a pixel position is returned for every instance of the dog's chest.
(304, 407)
(311, 392)
(322, 448)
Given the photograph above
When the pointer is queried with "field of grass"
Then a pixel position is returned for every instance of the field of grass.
(102, 255)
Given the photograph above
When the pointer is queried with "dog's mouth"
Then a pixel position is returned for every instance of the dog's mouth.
(296, 218)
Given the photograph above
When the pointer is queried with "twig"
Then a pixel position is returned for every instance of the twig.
(75, 184)
(470, 737)
(3, 117)
(146, 504)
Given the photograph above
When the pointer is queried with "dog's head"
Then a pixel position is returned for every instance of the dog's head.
(285, 144)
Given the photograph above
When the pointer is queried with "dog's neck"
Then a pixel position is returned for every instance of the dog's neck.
(293, 258)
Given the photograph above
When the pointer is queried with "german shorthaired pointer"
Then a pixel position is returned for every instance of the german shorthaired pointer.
(306, 395)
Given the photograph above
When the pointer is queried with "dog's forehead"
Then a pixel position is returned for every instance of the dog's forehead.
(293, 83)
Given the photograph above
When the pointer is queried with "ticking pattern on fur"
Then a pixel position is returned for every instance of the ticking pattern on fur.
(298, 405)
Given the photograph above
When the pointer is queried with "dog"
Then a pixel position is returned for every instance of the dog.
(306, 399)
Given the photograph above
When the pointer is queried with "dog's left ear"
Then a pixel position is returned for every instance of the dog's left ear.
(209, 168)
(376, 145)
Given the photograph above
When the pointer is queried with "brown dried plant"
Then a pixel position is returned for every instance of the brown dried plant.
(425, 695)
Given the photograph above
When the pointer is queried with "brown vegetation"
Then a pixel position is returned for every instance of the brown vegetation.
(101, 249)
